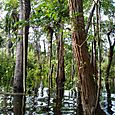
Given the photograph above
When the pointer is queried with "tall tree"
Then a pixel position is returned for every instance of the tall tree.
(18, 75)
(21, 54)
(60, 78)
(27, 9)
(60, 56)
(110, 58)
(85, 72)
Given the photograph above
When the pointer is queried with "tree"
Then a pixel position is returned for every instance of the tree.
(18, 75)
(21, 54)
(27, 9)
(110, 58)
(85, 70)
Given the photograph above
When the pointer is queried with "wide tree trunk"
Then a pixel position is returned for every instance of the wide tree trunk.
(85, 69)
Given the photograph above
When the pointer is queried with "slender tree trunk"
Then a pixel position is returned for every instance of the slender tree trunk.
(90, 18)
(9, 45)
(110, 57)
(95, 65)
(99, 53)
(79, 107)
(61, 59)
(21, 54)
(107, 84)
(60, 78)
(38, 50)
(72, 69)
(18, 74)
(27, 9)
(85, 71)
(44, 47)
(19, 104)
(59, 97)
(50, 32)
(95, 53)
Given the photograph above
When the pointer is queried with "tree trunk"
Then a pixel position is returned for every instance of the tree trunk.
(19, 105)
(110, 56)
(60, 78)
(21, 54)
(99, 53)
(85, 69)
(27, 9)
(50, 32)
(18, 74)
(107, 84)
(44, 47)
(61, 59)
(72, 69)
(95, 53)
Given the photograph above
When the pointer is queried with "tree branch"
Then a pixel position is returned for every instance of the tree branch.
(114, 42)
(90, 19)
(108, 35)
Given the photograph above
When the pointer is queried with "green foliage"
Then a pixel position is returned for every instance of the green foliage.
(86, 4)
(6, 70)
(36, 71)
(11, 4)
(48, 12)
(11, 21)
(108, 7)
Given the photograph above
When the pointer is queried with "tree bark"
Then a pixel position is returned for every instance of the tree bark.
(18, 74)
(60, 56)
(61, 59)
(19, 105)
(99, 54)
(85, 71)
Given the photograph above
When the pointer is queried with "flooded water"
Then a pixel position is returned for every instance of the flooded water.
(108, 105)
(44, 104)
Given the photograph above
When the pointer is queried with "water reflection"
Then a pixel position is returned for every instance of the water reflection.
(61, 102)
(109, 103)
(5, 105)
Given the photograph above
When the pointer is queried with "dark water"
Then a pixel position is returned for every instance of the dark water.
(108, 107)
(43, 104)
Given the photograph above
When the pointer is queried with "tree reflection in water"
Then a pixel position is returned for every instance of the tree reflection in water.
(60, 102)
